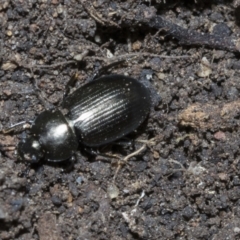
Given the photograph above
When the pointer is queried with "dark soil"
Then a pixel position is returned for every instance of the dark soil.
(185, 184)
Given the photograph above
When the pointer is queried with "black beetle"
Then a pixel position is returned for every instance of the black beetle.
(100, 112)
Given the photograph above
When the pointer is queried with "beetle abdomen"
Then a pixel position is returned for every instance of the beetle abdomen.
(107, 109)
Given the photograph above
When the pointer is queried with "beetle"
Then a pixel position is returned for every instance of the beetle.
(102, 111)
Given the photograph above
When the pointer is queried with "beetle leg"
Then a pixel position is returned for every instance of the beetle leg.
(40, 94)
(69, 165)
(70, 83)
(104, 69)
(91, 151)
(24, 173)
(124, 142)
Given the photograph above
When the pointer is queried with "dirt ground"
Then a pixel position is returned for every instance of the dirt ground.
(184, 181)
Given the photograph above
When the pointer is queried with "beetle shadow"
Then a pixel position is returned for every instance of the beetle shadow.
(121, 147)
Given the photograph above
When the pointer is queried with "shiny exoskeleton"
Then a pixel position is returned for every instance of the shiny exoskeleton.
(100, 112)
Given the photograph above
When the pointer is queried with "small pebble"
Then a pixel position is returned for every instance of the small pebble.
(56, 201)
(112, 191)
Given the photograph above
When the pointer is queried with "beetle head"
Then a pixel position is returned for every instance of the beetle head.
(30, 150)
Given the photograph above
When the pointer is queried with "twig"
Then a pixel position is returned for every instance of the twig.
(181, 169)
(147, 18)
(135, 153)
(127, 158)
(131, 55)
(178, 163)
(109, 60)
(96, 16)
(194, 38)
(138, 151)
(56, 64)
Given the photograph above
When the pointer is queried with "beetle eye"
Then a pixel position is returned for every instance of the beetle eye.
(30, 150)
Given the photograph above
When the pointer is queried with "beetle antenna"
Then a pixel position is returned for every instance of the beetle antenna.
(15, 127)
(39, 93)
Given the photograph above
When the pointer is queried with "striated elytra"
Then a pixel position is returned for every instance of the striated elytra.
(100, 112)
